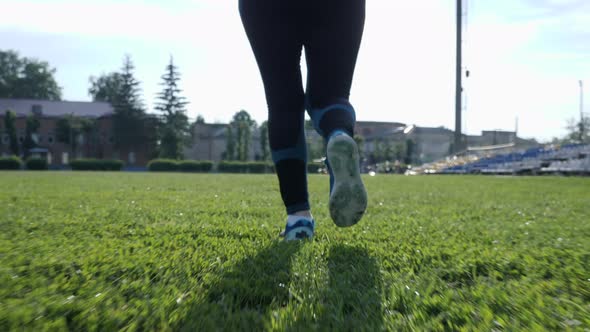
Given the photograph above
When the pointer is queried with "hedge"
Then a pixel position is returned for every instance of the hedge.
(162, 165)
(244, 167)
(195, 166)
(37, 164)
(258, 167)
(10, 163)
(251, 167)
(231, 167)
(96, 165)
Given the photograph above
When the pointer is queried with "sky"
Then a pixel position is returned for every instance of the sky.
(525, 57)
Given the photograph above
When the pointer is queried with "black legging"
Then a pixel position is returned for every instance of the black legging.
(330, 31)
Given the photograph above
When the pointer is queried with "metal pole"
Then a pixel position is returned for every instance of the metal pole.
(458, 87)
(582, 127)
(516, 129)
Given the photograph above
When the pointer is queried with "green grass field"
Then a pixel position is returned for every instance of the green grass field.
(141, 251)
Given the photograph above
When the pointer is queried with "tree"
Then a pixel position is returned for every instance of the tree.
(243, 124)
(131, 126)
(9, 124)
(578, 131)
(10, 67)
(170, 146)
(31, 129)
(129, 115)
(70, 129)
(121, 89)
(65, 131)
(27, 78)
(200, 119)
(105, 88)
(175, 126)
(230, 148)
(264, 146)
(409, 152)
(360, 142)
(377, 154)
(383, 150)
(399, 151)
(89, 131)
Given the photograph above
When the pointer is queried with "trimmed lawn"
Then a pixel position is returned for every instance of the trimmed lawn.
(144, 251)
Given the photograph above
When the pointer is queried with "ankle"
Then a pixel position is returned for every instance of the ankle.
(337, 132)
(304, 213)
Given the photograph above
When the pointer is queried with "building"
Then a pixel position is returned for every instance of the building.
(434, 143)
(98, 143)
(425, 144)
(210, 143)
(492, 137)
(430, 143)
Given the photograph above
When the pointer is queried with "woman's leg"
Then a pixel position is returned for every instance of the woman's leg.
(273, 30)
(332, 43)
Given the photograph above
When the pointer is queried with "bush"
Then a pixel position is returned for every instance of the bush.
(258, 167)
(112, 165)
(162, 165)
(10, 163)
(96, 165)
(231, 167)
(195, 166)
(244, 167)
(37, 164)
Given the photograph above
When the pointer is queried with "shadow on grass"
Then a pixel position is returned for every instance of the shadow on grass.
(352, 300)
(241, 298)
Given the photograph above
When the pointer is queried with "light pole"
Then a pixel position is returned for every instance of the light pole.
(458, 146)
(582, 127)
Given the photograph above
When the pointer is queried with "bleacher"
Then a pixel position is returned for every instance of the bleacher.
(565, 159)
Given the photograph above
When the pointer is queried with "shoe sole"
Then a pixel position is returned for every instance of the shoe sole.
(299, 233)
(348, 200)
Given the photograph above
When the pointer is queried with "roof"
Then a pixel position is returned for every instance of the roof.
(23, 107)
(497, 132)
(38, 150)
(386, 133)
(379, 123)
(433, 130)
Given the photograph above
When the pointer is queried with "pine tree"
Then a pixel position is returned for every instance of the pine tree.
(129, 113)
(129, 94)
(174, 127)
